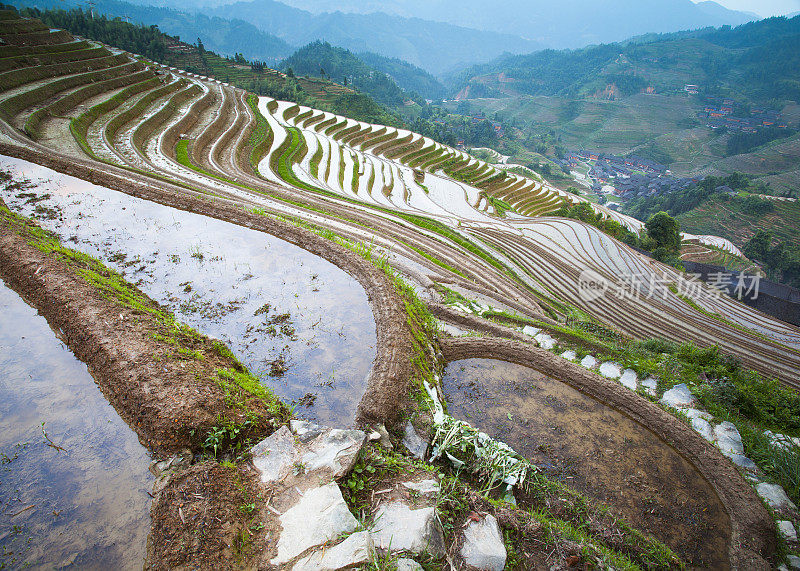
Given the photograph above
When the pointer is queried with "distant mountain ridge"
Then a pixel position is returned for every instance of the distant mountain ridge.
(563, 24)
(758, 61)
(220, 35)
(434, 46)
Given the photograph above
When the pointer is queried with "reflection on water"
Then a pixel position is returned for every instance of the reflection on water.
(87, 505)
(594, 449)
(299, 322)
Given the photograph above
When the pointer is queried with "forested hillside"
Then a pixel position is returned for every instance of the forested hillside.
(406, 75)
(759, 61)
(320, 59)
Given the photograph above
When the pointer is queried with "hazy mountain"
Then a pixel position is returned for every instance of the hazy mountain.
(435, 47)
(219, 35)
(726, 15)
(567, 23)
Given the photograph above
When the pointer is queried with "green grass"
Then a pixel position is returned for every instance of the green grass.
(290, 152)
(315, 160)
(261, 138)
(183, 157)
(356, 175)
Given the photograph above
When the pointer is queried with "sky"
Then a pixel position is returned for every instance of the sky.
(763, 8)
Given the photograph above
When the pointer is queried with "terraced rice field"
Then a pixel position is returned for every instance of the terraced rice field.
(431, 209)
(299, 323)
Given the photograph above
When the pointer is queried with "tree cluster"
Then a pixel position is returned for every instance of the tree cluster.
(780, 260)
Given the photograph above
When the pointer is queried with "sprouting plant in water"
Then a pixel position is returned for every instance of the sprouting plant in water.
(197, 254)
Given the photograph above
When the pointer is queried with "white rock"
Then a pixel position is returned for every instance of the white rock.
(320, 516)
(610, 370)
(385, 440)
(330, 450)
(703, 428)
(700, 423)
(335, 449)
(678, 396)
(355, 550)
(569, 355)
(305, 429)
(629, 379)
(694, 413)
(787, 530)
(650, 386)
(424, 487)
(403, 529)
(728, 438)
(775, 496)
(545, 341)
(532, 331)
(741, 460)
(589, 362)
(412, 441)
(275, 455)
(793, 561)
(483, 545)
(406, 564)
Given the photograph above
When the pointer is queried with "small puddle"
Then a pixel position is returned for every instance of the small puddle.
(303, 325)
(594, 449)
(86, 507)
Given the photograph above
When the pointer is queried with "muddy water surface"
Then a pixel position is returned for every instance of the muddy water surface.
(299, 322)
(86, 505)
(594, 449)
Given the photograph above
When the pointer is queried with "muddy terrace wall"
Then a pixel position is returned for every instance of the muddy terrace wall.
(752, 535)
(173, 134)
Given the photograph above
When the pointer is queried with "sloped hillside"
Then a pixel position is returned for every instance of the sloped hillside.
(442, 214)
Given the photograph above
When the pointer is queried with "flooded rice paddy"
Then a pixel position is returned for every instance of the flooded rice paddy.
(301, 324)
(595, 449)
(85, 505)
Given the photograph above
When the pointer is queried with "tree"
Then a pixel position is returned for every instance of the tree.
(290, 72)
(665, 231)
(758, 246)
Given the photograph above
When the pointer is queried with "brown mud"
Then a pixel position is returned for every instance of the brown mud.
(208, 517)
(752, 532)
(596, 450)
